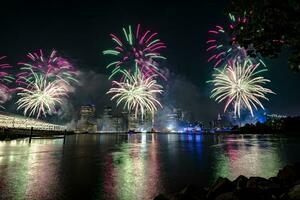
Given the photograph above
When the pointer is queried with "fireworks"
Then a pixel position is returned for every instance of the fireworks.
(136, 60)
(5, 79)
(44, 82)
(238, 85)
(138, 93)
(223, 46)
(41, 96)
(141, 48)
(52, 68)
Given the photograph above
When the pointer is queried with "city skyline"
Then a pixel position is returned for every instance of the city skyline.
(184, 33)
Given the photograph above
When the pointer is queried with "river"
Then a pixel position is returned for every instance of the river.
(137, 166)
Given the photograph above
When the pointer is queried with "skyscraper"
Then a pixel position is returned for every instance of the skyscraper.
(87, 122)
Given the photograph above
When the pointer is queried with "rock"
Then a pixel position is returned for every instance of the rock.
(161, 197)
(274, 189)
(222, 185)
(258, 182)
(227, 196)
(190, 192)
(285, 186)
(240, 182)
(251, 194)
(284, 196)
(297, 166)
(274, 179)
(294, 193)
(288, 175)
(267, 187)
(297, 182)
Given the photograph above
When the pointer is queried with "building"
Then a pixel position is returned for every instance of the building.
(222, 122)
(140, 123)
(87, 121)
(110, 122)
(125, 120)
(174, 120)
(106, 122)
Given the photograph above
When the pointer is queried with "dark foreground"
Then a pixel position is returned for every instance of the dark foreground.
(285, 186)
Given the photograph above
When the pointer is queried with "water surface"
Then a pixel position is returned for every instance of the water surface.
(138, 166)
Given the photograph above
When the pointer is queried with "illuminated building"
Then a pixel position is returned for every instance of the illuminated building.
(132, 122)
(123, 122)
(220, 123)
(276, 116)
(16, 121)
(110, 122)
(106, 124)
(139, 123)
(146, 123)
(174, 119)
(87, 122)
(120, 122)
(107, 111)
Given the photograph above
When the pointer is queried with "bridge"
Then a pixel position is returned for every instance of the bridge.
(12, 121)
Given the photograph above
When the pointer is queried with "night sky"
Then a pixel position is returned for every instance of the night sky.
(80, 31)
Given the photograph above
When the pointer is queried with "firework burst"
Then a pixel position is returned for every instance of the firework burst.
(41, 96)
(52, 67)
(240, 86)
(223, 45)
(5, 79)
(141, 48)
(138, 93)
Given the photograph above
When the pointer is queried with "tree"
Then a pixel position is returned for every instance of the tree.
(272, 24)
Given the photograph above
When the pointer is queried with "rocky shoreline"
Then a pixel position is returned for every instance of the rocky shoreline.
(284, 186)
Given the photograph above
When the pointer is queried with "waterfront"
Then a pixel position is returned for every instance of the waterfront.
(137, 166)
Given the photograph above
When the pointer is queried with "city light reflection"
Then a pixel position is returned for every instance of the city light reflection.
(235, 156)
(134, 166)
(134, 173)
(30, 172)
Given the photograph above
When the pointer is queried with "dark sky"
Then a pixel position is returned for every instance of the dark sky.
(80, 31)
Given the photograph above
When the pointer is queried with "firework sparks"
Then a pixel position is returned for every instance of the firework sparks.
(41, 96)
(239, 85)
(138, 93)
(52, 67)
(142, 48)
(5, 79)
(223, 46)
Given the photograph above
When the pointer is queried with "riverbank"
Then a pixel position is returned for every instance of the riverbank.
(17, 133)
(284, 186)
(13, 134)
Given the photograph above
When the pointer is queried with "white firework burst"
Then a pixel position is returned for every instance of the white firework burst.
(41, 96)
(239, 84)
(138, 93)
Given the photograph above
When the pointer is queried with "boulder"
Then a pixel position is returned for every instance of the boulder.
(227, 196)
(161, 197)
(297, 182)
(258, 182)
(240, 182)
(267, 187)
(251, 194)
(288, 175)
(190, 192)
(274, 179)
(222, 185)
(294, 193)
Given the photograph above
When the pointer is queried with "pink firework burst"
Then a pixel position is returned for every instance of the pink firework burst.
(139, 48)
(51, 66)
(5, 79)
